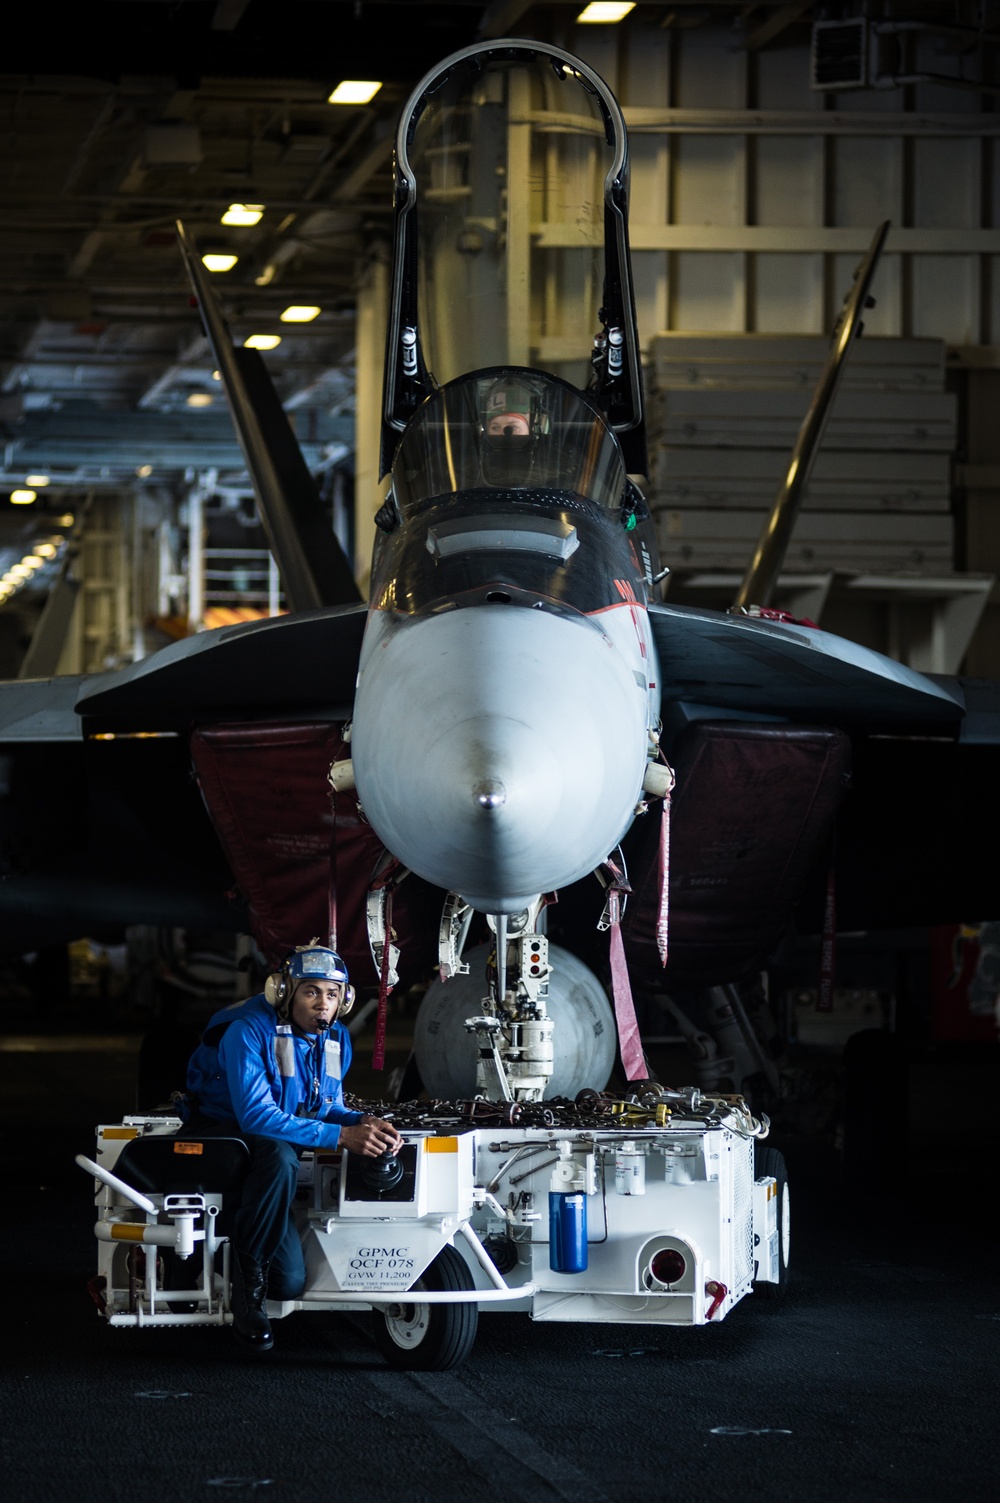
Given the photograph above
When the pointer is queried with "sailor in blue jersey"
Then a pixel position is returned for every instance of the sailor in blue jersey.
(271, 1071)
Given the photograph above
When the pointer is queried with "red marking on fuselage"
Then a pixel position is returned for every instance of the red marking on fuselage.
(627, 593)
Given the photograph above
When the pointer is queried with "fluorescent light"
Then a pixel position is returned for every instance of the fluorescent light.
(32, 561)
(354, 91)
(243, 214)
(22, 498)
(200, 399)
(213, 262)
(603, 12)
(47, 550)
(262, 342)
(300, 315)
(36, 480)
(18, 571)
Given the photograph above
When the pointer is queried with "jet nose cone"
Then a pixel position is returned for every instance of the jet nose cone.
(490, 793)
(498, 751)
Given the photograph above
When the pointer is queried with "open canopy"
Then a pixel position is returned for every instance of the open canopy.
(507, 429)
(511, 242)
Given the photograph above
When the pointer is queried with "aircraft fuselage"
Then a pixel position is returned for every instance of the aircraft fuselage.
(508, 681)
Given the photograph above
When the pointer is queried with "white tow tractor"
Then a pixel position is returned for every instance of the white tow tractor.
(661, 1209)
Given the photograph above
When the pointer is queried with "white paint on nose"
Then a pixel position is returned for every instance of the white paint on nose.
(498, 751)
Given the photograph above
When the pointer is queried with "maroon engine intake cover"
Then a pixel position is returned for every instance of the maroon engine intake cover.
(752, 811)
(266, 790)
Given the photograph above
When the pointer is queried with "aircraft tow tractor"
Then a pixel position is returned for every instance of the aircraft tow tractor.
(660, 1208)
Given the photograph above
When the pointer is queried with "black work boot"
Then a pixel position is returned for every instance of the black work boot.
(249, 1291)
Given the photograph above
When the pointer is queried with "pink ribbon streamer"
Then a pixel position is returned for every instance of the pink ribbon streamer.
(663, 911)
(629, 1042)
(378, 1053)
(828, 952)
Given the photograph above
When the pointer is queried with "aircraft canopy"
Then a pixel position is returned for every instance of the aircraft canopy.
(508, 429)
(511, 234)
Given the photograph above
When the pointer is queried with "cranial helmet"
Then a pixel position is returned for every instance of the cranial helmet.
(513, 422)
(312, 962)
(513, 399)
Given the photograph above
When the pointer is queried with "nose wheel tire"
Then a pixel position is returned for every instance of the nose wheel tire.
(429, 1337)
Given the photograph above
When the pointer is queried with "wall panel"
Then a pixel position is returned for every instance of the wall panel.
(725, 141)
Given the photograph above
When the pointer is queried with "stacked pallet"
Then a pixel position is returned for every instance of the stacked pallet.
(724, 412)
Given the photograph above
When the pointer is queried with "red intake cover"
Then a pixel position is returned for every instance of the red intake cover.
(752, 811)
(266, 790)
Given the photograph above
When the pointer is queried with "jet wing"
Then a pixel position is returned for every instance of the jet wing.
(41, 709)
(288, 664)
(750, 666)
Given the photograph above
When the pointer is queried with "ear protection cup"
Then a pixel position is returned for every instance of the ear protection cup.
(308, 962)
(278, 992)
(277, 989)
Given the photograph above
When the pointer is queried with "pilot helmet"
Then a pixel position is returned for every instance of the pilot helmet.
(513, 419)
(308, 962)
(510, 410)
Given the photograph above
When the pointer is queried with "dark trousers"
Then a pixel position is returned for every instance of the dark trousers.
(262, 1226)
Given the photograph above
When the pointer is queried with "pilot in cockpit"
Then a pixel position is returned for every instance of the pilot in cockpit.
(508, 410)
(512, 420)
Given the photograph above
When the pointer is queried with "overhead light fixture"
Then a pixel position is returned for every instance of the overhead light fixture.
(38, 481)
(23, 498)
(144, 470)
(46, 550)
(604, 12)
(300, 315)
(243, 214)
(18, 571)
(213, 262)
(262, 342)
(354, 91)
(200, 399)
(216, 375)
(32, 561)
(66, 520)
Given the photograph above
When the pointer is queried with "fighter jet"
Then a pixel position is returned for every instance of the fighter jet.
(514, 709)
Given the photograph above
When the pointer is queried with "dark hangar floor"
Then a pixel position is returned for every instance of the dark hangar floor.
(876, 1379)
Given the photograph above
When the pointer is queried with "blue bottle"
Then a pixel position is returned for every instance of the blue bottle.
(567, 1231)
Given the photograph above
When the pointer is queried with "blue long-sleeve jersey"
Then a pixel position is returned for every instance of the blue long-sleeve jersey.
(253, 1069)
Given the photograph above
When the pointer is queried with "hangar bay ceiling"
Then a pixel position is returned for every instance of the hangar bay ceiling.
(132, 114)
(124, 119)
